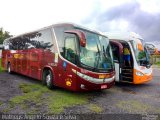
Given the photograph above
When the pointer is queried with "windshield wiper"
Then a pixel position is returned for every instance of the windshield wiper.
(96, 66)
(104, 53)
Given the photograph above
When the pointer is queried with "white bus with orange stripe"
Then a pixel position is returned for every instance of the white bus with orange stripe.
(140, 70)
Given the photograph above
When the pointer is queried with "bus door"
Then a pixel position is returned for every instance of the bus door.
(66, 67)
(117, 50)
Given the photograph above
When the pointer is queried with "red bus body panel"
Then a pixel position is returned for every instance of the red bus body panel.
(32, 62)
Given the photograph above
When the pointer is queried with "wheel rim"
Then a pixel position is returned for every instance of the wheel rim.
(48, 79)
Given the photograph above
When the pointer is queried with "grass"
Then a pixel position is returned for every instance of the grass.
(62, 99)
(9, 108)
(154, 59)
(95, 108)
(1, 103)
(1, 69)
(36, 96)
(158, 63)
(6, 110)
(32, 95)
(133, 106)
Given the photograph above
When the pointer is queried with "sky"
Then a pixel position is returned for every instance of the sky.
(140, 16)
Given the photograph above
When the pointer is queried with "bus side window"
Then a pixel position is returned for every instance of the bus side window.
(6, 44)
(39, 40)
(70, 48)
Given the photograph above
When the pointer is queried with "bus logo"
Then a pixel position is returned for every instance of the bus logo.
(68, 82)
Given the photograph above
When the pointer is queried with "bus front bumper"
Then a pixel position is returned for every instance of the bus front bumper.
(142, 78)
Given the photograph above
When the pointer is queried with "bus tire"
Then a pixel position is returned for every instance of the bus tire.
(48, 78)
(9, 68)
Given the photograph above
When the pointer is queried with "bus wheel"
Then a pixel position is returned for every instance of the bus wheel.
(48, 78)
(9, 68)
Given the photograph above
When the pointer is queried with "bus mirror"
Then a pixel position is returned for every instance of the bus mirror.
(1, 46)
(80, 34)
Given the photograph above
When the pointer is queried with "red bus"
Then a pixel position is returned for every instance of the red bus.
(64, 55)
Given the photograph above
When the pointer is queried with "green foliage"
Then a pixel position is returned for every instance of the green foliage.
(158, 63)
(95, 108)
(62, 99)
(1, 103)
(3, 35)
(141, 55)
(32, 93)
(1, 69)
(39, 96)
(133, 106)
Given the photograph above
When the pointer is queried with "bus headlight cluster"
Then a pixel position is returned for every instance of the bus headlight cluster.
(139, 73)
(94, 80)
(86, 77)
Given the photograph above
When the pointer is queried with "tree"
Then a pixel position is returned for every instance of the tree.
(3, 35)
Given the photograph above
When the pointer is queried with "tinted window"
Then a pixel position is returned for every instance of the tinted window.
(70, 47)
(16, 43)
(60, 34)
(6, 44)
(40, 40)
(115, 51)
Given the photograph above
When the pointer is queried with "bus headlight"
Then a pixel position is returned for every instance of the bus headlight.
(94, 80)
(139, 73)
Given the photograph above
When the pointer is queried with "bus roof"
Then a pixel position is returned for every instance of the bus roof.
(126, 36)
(61, 24)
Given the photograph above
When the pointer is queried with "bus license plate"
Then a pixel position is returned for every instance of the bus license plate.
(103, 86)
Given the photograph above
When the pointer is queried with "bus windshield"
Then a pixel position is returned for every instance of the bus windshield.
(141, 55)
(97, 53)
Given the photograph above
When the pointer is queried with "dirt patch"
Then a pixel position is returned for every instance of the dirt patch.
(128, 90)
